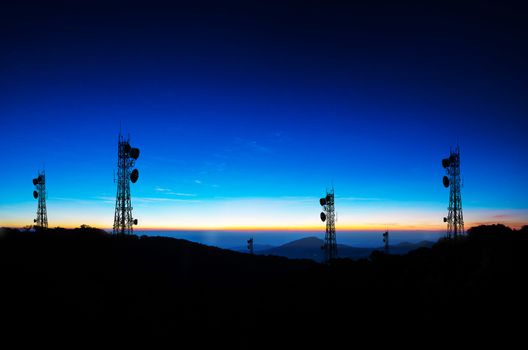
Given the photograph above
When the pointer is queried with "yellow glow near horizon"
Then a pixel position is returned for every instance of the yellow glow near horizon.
(257, 214)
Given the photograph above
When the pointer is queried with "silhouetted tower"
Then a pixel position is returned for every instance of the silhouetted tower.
(328, 215)
(250, 245)
(41, 222)
(126, 158)
(386, 241)
(455, 217)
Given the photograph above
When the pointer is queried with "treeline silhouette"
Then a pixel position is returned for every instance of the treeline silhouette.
(88, 286)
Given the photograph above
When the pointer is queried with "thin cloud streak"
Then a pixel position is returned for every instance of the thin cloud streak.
(171, 192)
(359, 199)
(160, 189)
(164, 199)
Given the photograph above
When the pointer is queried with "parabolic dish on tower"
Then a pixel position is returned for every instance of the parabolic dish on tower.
(322, 201)
(134, 175)
(134, 153)
(445, 180)
(35, 194)
(323, 217)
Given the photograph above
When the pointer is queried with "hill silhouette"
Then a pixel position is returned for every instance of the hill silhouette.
(257, 247)
(92, 287)
(310, 248)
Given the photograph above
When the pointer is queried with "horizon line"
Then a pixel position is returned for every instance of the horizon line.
(359, 228)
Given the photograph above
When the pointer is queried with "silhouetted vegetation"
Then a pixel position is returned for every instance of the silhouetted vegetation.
(92, 286)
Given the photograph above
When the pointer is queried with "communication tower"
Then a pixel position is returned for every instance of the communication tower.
(41, 222)
(328, 215)
(126, 158)
(386, 241)
(455, 217)
(250, 245)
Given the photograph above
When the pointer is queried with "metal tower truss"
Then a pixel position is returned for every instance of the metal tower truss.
(250, 245)
(41, 222)
(126, 158)
(328, 215)
(455, 216)
(386, 246)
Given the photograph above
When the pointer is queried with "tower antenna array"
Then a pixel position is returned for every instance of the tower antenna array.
(455, 216)
(250, 245)
(126, 158)
(328, 215)
(386, 241)
(41, 222)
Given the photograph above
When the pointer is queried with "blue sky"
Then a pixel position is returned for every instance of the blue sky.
(244, 114)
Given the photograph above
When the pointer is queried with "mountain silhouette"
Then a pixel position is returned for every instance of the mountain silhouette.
(304, 248)
(310, 248)
(86, 286)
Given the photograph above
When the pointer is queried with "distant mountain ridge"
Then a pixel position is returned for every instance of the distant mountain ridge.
(310, 248)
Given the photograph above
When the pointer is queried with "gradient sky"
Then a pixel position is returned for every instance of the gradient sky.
(245, 112)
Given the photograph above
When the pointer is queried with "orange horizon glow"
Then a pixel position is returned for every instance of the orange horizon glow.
(261, 214)
(348, 228)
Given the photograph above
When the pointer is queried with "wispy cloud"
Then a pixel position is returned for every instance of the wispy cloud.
(150, 200)
(358, 199)
(179, 194)
(502, 216)
(146, 200)
(106, 199)
(169, 191)
(160, 189)
(198, 182)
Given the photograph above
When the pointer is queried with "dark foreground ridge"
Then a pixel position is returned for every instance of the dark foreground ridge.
(88, 286)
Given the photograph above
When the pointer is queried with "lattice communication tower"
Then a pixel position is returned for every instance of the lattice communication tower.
(455, 216)
(386, 242)
(328, 215)
(126, 158)
(41, 222)
(250, 245)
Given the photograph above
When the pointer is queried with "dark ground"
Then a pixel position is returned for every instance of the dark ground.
(79, 287)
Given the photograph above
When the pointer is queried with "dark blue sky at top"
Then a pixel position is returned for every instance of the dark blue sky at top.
(247, 99)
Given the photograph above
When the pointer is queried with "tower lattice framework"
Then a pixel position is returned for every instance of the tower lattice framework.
(41, 222)
(328, 215)
(455, 216)
(126, 157)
